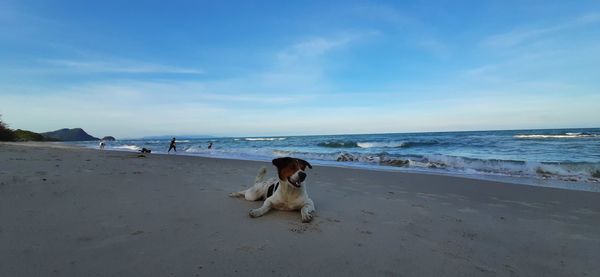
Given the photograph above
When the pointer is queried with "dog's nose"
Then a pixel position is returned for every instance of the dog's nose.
(302, 176)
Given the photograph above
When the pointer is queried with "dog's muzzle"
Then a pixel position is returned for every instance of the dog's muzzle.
(298, 183)
(301, 177)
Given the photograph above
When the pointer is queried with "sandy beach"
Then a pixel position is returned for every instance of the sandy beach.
(81, 212)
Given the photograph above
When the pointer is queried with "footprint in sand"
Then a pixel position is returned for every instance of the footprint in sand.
(248, 248)
(364, 232)
(138, 232)
(301, 228)
(367, 212)
(469, 235)
(485, 269)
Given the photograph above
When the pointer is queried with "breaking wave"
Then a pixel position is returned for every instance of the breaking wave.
(127, 147)
(263, 139)
(376, 144)
(554, 154)
(338, 144)
(567, 171)
(394, 144)
(559, 136)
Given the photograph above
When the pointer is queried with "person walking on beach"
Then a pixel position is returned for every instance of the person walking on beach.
(172, 146)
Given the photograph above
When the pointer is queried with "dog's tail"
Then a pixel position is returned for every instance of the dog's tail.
(261, 175)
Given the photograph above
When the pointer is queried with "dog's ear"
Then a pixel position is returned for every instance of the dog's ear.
(304, 163)
(282, 162)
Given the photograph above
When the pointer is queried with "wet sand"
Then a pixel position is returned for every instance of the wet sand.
(80, 212)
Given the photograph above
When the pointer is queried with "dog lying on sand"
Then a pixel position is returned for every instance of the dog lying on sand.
(287, 192)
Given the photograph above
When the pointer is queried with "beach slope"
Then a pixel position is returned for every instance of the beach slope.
(80, 212)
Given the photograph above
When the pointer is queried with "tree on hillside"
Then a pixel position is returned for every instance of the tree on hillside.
(6, 134)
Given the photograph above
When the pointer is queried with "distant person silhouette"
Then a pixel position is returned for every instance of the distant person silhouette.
(172, 146)
(209, 145)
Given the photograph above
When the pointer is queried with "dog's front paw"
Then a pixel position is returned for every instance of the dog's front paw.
(254, 213)
(307, 217)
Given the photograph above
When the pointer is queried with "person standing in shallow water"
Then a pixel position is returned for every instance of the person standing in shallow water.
(172, 146)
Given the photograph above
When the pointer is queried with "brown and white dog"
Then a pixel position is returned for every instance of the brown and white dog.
(287, 193)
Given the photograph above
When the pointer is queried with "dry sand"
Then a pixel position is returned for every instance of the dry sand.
(80, 212)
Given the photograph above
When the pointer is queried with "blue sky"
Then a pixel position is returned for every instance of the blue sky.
(227, 68)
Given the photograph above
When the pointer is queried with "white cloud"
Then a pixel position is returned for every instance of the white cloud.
(384, 13)
(524, 34)
(317, 46)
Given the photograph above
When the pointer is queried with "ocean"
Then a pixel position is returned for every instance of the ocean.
(568, 158)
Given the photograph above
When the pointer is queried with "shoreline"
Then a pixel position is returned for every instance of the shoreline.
(527, 181)
(77, 212)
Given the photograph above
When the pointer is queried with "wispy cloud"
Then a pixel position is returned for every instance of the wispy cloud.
(382, 12)
(317, 46)
(156, 92)
(118, 66)
(131, 108)
(525, 34)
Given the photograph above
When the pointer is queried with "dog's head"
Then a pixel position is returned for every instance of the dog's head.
(291, 170)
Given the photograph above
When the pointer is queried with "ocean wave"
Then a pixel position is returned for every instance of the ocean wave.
(264, 139)
(338, 144)
(396, 144)
(566, 171)
(127, 147)
(560, 136)
(375, 144)
(196, 149)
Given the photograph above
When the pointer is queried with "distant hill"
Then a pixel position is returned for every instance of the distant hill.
(75, 134)
(109, 138)
(24, 135)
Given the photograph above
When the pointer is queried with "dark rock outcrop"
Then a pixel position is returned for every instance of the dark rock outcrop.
(346, 157)
(75, 134)
(109, 138)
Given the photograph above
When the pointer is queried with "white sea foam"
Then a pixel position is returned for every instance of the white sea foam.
(396, 144)
(566, 135)
(263, 139)
(560, 171)
(387, 144)
(195, 149)
(375, 144)
(127, 147)
(570, 156)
